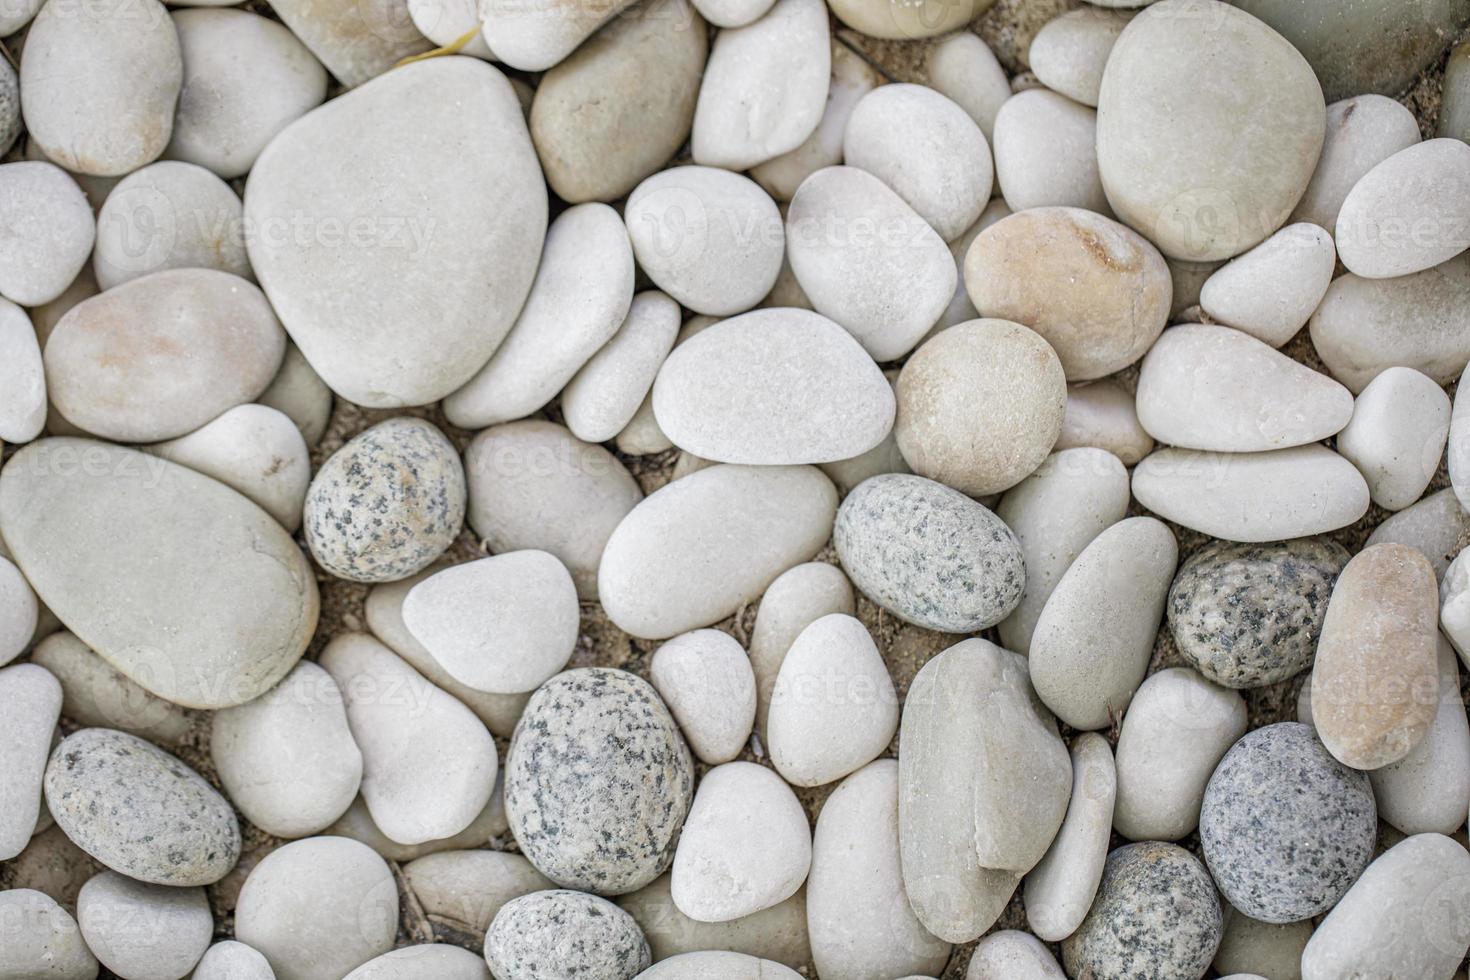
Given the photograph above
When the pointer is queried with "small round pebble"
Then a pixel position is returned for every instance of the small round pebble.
(559, 934)
(231, 960)
(1044, 153)
(706, 680)
(50, 231)
(141, 931)
(1012, 955)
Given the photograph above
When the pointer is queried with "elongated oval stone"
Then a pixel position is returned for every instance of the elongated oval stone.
(1060, 889)
(1409, 213)
(225, 616)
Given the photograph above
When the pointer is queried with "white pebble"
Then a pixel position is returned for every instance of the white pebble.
(604, 395)
(1045, 153)
(1060, 889)
(141, 931)
(1271, 291)
(1397, 435)
(706, 680)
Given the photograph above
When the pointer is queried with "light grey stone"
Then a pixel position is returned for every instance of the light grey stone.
(427, 961)
(778, 933)
(301, 395)
(49, 231)
(357, 40)
(142, 931)
(964, 68)
(95, 694)
(1069, 53)
(559, 933)
(1103, 414)
(19, 612)
(1362, 132)
(1012, 955)
(1270, 291)
(1045, 153)
(1409, 213)
(533, 39)
(603, 396)
(31, 698)
(717, 965)
(1060, 889)
(1397, 435)
(231, 960)
(706, 680)
(42, 940)
(1428, 789)
(1435, 526)
(22, 376)
(796, 599)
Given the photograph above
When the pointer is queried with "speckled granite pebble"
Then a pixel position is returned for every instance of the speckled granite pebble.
(139, 810)
(929, 554)
(1286, 829)
(386, 504)
(1156, 917)
(1248, 615)
(556, 934)
(598, 781)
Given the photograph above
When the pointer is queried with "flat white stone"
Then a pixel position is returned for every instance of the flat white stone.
(745, 846)
(717, 965)
(141, 931)
(1397, 435)
(22, 377)
(1045, 153)
(604, 395)
(94, 694)
(49, 231)
(764, 88)
(1104, 414)
(503, 624)
(301, 395)
(964, 68)
(427, 961)
(1409, 213)
(428, 763)
(1069, 53)
(1215, 388)
(532, 37)
(1272, 496)
(1270, 291)
(706, 680)
(31, 699)
(796, 599)
(19, 612)
(1060, 889)
(1362, 132)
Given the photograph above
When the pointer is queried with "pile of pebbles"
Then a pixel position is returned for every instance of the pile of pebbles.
(734, 490)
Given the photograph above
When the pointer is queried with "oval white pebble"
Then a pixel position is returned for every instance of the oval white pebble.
(603, 396)
(1397, 435)
(1045, 153)
(706, 680)
(1409, 213)
(22, 380)
(141, 931)
(1271, 291)
(49, 231)
(1060, 889)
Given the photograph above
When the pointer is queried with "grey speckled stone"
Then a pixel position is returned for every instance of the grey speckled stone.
(1248, 615)
(598, 781)
(1286, 829)
(929, 554)
(1156, 917)
(387, 504)
(556, 934)
(9, 106)
(139, 810)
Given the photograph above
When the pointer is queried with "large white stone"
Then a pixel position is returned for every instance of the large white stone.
(141, 931)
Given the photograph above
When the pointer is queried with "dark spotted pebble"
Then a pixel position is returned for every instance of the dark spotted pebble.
(1286, 829)
(598, 781)
(139, 810)
(559, 934)
(386, 504)
(1156, 917)
(929, 554)
(1248, 615)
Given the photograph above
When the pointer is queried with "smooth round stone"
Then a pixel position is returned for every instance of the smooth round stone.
(1434, 526)
(454, 254)
(1094, 290)
(96, 695)
(1425, 791)
(428, 764)
(1408, 213)
(1156, 92)
(732, 13)
(929, 554)
(980, 405)
(983, 786)
(1260, 949)
(1285, 827)
(1374, 683)
(504, 624)
(580, 296)
(709, 238)
(230, 960)
(139, 810)
(745, 847)
(1364, 326)
(253, 449)
(1397, 435)
(620, 106)
(159, 356)
(427, 961)
(19, 612)
(1215, 388)
(99, 83)
(246, 78)
(1068, 54)
(41, 939)
(1457, 449)
(534, 39)
(22, 379)
(465, 889)
(1091, 645)
(1156, 915)
(50, 231)
(1060, 889)
(1103, 414)
(169, 215)
(717, 965)
(856, 247)
(217, 623)
(1270, 291)
(387, 503)
(668, 569)
(1178, 727)
(1404, 915)
(356, 41)
(861, 924)
(1253, 497)
(764, 88)
(318, 908)
(1055, 513)
(521, 472)
(902, 21)
(598, 781)
(301, 395)
(580, 934)
(852, 79)
(604, 395)
(778, 933)
(1044, 153)
(773, 387)
(927, 149)
(706, 680)
(833, 708)
(796, 599)
(32, 700)
(1362, 132)
(142, 931)
(1248, 615)
(1012, 955)
(287, 759)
